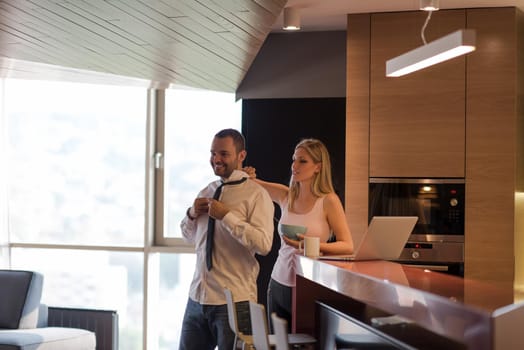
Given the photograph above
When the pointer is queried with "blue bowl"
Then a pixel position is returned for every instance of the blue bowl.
(291, 231)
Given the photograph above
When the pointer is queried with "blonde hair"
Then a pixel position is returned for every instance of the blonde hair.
(322, 183)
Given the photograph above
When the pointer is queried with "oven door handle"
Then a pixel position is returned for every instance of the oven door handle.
(429, 267)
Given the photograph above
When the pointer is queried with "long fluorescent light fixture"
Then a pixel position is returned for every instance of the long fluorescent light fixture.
(450, 46)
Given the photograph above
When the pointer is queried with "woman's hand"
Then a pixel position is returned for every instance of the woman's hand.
(252, 172)
(292, 242)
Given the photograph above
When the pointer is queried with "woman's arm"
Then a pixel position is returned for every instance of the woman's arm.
(277, 192)
(336, 218)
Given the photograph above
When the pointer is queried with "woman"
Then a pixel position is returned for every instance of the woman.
(309, 201)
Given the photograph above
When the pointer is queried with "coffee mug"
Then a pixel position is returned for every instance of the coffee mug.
(311, 246)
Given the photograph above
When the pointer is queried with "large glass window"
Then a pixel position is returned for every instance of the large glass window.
(76, 162)
(192, 118)
(92, 279)
(170, 275)
(4, 251)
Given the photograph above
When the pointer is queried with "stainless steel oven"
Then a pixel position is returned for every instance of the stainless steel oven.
(437, 241)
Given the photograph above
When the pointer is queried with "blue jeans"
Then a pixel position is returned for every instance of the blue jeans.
(207, 326)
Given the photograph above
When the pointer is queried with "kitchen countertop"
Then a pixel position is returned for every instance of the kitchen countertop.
(471, 312)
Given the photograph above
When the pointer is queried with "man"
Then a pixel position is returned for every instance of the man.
(243, 225)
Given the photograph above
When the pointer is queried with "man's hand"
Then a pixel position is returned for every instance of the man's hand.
(217, 209)
(200, 206)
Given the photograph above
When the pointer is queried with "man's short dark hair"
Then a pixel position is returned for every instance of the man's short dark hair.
(238, 138)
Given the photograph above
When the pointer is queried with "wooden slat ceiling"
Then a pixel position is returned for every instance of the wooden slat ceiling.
(207, 44)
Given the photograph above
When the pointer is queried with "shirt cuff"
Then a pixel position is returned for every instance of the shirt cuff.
(230, 220)
(188, 214)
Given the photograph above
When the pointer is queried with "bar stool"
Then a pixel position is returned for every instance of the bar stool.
(242, 341)
(280, 329)
(259, 326)
(261, 337)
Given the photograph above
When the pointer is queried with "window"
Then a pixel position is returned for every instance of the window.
(76, 163)
(92, 279)
(167, 297)
(73, 196)
(192, 118)
(4, 251)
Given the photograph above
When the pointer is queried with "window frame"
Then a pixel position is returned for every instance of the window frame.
(156, 160)
(154, 241)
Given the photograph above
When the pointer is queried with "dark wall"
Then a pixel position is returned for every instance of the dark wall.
(298, 65)
(272, 128)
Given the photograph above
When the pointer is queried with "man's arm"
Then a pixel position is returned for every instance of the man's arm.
(188, 225)
(256, 231)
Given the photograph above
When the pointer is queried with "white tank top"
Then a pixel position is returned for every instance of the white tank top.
(315, 220)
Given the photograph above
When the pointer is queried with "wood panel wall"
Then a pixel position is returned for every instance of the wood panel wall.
(519, 197)
(417, 121)
(357, 124)
(491, 142)
(483, 93)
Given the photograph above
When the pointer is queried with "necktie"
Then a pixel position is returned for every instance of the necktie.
(211, 223)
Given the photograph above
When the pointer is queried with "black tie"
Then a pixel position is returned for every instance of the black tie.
(211, 224)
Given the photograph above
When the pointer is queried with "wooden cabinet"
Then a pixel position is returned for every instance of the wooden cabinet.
(460, 118)
(494, 119)
(417, 122)
(357, 124)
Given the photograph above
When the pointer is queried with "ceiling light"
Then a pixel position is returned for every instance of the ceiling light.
(450, 46)
(429, 5)
(291, 18)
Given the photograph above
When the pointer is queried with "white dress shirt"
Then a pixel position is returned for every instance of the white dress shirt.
(247, 229)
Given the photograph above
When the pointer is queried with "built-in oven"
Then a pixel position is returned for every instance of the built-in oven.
(437, 241)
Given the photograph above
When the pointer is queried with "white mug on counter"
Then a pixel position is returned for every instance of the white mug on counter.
(311, 246)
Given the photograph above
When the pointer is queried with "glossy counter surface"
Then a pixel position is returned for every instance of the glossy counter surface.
(476, 314)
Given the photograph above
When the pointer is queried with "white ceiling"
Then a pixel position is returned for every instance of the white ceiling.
(208, 44)
(318, 15)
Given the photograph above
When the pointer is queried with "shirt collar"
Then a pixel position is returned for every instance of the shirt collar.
(235, 175)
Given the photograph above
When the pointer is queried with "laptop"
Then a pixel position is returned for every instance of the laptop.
(384, 239)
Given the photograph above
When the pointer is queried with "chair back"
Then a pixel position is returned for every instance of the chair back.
(259, 325)
(281, 335)
(231, 311)
(20, 294)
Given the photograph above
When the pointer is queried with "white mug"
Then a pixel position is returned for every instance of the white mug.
(311, 246)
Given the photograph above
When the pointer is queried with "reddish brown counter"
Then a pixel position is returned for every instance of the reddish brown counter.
(472, 313)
